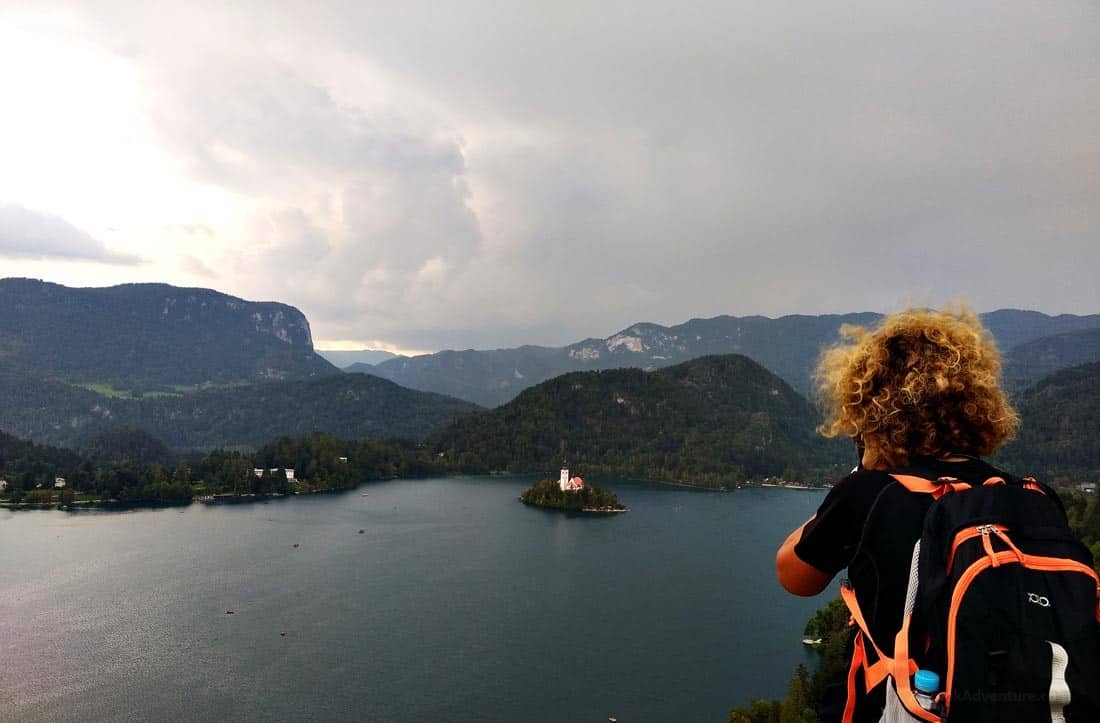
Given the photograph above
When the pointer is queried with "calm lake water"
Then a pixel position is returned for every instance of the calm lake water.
(457, 603)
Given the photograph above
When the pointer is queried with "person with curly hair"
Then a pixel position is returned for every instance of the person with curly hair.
(919, 394)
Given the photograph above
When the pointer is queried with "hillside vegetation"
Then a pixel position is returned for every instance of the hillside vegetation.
(151, 337)
(1030, 362)
(123, 471)
(353, 406)
(713, 421)
(1060, 430)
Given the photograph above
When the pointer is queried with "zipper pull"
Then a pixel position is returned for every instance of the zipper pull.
(1004, 538)
(988, 544)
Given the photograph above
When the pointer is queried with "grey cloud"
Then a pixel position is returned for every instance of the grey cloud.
(576, 167)
(389, 225)
(29, 234)
(260, 126)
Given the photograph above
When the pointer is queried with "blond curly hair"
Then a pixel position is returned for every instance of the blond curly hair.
(921, 383)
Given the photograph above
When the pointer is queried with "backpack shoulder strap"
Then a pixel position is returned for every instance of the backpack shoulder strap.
(937, 488)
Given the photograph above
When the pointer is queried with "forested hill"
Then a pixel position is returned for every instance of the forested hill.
(789, 346)
(1029, 362)
(151, 336)
(713, 421)
(1060, 430)
(20, 456)
(349, 405)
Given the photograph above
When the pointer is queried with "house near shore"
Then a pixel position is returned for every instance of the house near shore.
(569, 484)
(288, 472)
(59, 483)
(1089, 488)
(3, 485)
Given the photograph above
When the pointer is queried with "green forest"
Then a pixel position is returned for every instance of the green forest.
(1059, 438)
(712, 422)
(129, 466)
(145, 338)
(347, 405)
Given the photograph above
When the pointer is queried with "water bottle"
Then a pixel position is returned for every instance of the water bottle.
(926, 683)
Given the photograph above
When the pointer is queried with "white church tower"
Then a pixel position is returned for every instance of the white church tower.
(567, 483)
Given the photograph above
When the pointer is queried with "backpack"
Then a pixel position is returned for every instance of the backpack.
(1000, 599)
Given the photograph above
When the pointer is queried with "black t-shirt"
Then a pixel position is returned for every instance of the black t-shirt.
(830, 539)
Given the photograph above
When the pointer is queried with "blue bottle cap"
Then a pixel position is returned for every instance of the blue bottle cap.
(926, 681)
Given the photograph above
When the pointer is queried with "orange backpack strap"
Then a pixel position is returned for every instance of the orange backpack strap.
(1031, 484)
(874, 673)
(859, 659)
(937, 488)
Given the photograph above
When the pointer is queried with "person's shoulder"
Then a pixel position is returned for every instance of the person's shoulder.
(861, 477)
(860, 483)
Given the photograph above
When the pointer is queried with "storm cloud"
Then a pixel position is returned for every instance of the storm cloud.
(476, 174)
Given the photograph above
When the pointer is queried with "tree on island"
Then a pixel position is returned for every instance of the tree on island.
(548, 493)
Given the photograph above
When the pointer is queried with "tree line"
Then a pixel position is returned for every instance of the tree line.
(130, 466)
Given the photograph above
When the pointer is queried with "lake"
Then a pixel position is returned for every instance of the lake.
(456, 603)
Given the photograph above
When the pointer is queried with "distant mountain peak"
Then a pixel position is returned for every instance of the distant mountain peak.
(787, 345)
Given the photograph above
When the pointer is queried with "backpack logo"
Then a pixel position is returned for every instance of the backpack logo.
(1039, 600)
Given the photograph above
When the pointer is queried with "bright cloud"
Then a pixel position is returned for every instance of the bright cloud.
(421, 176)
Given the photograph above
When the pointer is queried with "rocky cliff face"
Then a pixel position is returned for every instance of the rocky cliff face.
(151, 337)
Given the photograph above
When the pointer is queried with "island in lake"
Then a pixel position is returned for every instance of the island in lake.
(571, 493)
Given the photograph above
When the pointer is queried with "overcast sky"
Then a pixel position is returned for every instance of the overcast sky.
(426, 175)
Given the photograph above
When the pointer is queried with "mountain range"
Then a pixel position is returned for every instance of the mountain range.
(196, 368)
(789, 346)
(199, 369)
(364, 358)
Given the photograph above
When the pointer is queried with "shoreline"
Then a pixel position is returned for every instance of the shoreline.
(230, 498)
(790, 487)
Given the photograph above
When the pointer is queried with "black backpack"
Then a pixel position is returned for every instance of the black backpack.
(1000, 599)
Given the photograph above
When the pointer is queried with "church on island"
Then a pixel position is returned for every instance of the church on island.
(571, 493)
(569, 484)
